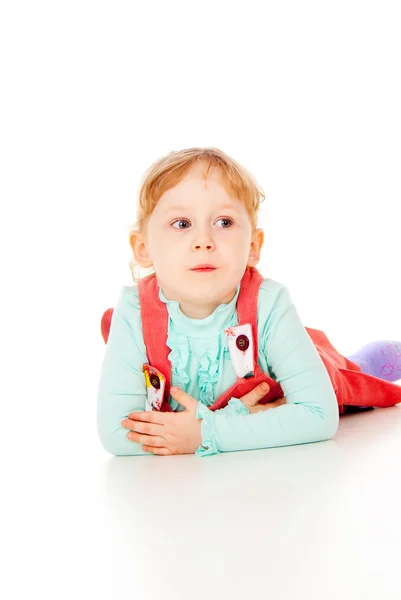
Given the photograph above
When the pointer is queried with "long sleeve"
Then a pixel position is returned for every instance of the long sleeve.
(311, 413)
(121, 387)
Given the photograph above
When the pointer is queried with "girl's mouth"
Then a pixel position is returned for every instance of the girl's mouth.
(204, 267)
(204, 270)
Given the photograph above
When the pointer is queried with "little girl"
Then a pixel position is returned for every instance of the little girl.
(207, 322)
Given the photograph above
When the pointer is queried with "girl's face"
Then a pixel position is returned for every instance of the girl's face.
(198, 222)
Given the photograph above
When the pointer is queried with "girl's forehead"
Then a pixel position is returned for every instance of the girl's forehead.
(200, 174)
(195, 182)
(192, 197)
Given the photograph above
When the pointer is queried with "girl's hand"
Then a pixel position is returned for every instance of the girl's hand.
(251, 400)
(167, 432)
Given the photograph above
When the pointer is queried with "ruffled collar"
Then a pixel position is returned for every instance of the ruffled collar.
(213, 325)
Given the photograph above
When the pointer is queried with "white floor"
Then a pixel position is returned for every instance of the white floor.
(311, 521)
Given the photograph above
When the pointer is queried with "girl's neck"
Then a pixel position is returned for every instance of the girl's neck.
(196, 310)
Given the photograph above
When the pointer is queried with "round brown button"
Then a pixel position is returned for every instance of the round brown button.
(242, 342)
(155, 381)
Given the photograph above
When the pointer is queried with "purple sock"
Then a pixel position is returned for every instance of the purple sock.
(381, 359)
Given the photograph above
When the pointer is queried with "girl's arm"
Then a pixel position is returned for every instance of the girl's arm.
(311, 412)
(118, 374)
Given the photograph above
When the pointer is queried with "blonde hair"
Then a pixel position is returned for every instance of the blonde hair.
(169, 170)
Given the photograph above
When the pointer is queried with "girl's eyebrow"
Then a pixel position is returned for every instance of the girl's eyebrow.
(181, 207)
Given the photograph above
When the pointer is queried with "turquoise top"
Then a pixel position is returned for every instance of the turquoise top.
(201, 366)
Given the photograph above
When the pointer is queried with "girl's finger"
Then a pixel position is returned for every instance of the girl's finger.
(148, 440)
(255, 395)
(256, 407)
(143, 427)
(274, 404)
(160, 451)
(153, 416)
(278, 402)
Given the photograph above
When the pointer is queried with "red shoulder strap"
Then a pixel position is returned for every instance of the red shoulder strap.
(247, 304)
(154, 316)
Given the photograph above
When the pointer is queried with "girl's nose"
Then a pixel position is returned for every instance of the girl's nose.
(196, 246)
(203, 241)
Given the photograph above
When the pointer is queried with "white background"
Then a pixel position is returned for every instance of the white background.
(306, 95)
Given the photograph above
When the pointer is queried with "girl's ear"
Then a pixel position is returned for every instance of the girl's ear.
(138, 245)
(256, 245)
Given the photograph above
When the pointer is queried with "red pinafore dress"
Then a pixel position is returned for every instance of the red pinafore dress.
(352, 387)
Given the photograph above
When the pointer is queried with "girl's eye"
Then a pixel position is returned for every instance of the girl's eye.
(180, 221)
(226, 219)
